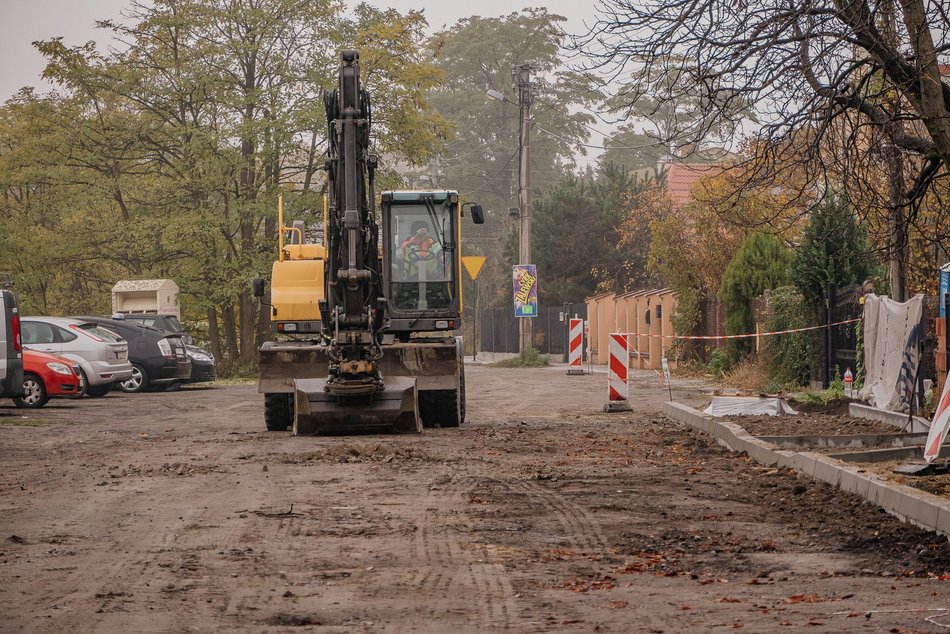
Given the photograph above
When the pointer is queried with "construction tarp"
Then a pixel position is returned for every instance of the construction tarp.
(748, 406)
(892, 332)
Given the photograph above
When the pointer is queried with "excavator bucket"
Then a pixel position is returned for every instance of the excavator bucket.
(318, 412)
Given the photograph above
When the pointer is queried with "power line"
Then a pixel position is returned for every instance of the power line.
(458, 137)
(489, 182)
(592, 129)
(598, 147)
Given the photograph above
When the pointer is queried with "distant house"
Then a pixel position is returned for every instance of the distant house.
(680, 178)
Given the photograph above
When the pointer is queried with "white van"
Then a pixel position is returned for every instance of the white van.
(11, 350)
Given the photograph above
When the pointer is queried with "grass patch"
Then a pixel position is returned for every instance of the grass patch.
(234, 380)
(835, 392)
(751, 374)
(532, 359)
(17, 421)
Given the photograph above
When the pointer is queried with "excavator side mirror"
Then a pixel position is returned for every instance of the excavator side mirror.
(478, 216)
(258, 286)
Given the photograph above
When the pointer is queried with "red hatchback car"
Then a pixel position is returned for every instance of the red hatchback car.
(46, 375)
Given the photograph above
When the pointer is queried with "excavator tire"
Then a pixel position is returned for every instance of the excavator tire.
(278, 412)
(439, 408)
(461, 417)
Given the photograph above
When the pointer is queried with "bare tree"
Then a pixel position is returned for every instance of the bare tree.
(846, 93)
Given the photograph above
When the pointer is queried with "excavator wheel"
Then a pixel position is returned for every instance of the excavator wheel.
(440, 407)
(461, 417)
(278, 411)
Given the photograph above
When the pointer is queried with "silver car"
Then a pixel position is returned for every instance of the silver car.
(102, 355)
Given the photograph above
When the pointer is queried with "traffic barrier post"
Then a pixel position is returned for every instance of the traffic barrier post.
(575, 347)
(617, 388)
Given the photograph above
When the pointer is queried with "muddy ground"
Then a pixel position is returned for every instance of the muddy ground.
(811, 425)
(174, 512)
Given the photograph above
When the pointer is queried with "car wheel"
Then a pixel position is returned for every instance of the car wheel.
(34, 392)
(83, 384)
(98, 391)
(138, 382)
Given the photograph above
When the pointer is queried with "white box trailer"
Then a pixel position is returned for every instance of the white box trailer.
(146, 296)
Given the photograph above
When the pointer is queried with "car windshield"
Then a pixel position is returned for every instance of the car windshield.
(421, 266)
(173, 324)
(99, 332)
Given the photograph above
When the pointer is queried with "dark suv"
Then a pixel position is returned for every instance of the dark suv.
(202, 361)
(168, 323)
(158, 358)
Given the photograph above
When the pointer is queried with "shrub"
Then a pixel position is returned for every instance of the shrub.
(531, 359)
(761, 263)
(719, 363)
(793, 357)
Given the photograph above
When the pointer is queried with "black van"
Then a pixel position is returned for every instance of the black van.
(11, 349)
(159, 358)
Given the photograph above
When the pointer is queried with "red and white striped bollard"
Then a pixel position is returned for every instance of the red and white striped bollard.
(575, 346)
(617, 374)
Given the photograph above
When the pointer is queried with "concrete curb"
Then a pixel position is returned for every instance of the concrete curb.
(895, 419)
(909, 504)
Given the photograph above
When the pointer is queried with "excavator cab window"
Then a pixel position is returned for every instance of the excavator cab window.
(422, 263)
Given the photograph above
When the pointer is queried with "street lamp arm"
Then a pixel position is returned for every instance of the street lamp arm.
(499, 96)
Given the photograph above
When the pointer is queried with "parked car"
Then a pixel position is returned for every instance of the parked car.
(202, 365)
(159, 358)
(11, 352)
(101, 354)
(202, 361)
(168, 323)
(47, 375)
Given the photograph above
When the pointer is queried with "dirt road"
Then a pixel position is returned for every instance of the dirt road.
(175, 512)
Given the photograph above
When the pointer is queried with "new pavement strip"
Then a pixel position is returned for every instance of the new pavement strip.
(912, 505)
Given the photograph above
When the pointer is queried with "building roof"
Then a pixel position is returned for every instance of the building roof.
(143, 285)
(680, 178)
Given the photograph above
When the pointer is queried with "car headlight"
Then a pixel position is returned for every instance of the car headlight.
(59, 368)
(199, 356)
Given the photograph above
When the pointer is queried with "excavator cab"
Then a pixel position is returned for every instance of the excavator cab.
(422, 278)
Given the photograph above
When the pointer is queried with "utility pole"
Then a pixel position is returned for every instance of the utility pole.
(522, 75)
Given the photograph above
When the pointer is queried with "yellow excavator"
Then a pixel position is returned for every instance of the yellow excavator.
(365, 330)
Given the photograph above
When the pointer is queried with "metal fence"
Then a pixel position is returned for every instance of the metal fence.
(498, 328)
(844, 339)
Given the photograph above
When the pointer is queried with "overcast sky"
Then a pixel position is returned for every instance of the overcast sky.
(24, 21)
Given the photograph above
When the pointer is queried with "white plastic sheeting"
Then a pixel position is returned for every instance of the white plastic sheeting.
(748, 406)
(891, 351)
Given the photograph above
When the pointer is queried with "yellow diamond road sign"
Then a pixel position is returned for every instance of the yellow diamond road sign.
(473, 264)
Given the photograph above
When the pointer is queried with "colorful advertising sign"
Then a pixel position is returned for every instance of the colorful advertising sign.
(944, 289)
(524, 280)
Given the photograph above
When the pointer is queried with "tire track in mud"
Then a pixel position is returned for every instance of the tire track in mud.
(118, 584)
(435, 545)
(582, 529)
(452, 571)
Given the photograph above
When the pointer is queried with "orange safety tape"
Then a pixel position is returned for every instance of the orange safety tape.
(760, 334)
